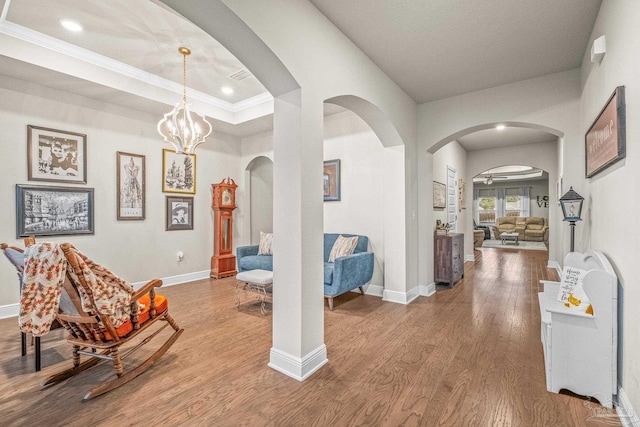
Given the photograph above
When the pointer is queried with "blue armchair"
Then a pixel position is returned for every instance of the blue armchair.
(345, 274)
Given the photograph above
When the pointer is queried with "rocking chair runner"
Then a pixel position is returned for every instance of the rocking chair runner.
(96, 332)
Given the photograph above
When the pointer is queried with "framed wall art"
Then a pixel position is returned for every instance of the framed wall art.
(605, 141)
(178, 172)
(131, 185)
(439, 195)
(56, 155)
(179, 213)
(50, 211)
(331, 177)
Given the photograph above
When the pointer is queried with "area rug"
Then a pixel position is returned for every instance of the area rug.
(535, 246)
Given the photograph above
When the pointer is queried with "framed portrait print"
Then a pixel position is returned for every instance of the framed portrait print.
(179, 213)
(131, 185)
(51, 211)
(56, 155)
(178, 172)
(605, 141)
(331, 178)
(439, 195)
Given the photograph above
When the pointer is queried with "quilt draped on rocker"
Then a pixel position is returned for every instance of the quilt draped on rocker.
(44, 274)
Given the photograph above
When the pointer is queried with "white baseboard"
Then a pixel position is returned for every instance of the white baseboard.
(375, 290)
(554, 264)
(176, 280)
(401, 297)
(296, 367)
(469, 258)
(428, 290)
(626, 414)
(12, 310)
(9, 310)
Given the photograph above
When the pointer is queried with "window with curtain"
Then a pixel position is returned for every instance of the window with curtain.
(490, 204)
(486, 205)
(512, 202)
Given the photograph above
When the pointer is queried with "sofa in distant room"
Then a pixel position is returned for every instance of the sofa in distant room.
(532, 228)
(342, 275)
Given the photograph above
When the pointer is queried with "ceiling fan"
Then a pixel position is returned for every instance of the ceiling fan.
(488, 179)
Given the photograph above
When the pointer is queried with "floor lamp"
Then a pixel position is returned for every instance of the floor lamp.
(571, 204)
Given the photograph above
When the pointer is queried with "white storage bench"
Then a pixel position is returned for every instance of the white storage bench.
(580, 350)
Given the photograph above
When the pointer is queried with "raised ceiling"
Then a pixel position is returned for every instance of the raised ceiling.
(127, 53)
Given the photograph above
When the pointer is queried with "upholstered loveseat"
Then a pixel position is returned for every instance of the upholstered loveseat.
(345, 274)
(532, 228)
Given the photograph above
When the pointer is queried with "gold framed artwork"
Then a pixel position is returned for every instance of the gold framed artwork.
(178, 172)
(131, 186)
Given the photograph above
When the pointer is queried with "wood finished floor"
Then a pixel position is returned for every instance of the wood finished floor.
(467, 356)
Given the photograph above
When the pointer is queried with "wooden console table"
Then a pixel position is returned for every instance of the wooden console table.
(448, 254)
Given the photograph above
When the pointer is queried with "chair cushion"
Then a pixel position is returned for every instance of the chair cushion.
(256, 262)
(534, 227)
(161, 306)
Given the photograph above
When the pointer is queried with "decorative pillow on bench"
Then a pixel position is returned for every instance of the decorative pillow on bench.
(343, 246)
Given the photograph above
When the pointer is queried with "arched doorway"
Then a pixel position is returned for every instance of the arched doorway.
(259, 192)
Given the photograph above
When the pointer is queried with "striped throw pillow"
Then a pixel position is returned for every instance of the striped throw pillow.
(265, 244)
(343, 246)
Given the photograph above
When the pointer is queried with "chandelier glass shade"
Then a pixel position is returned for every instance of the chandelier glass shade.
(180, 127)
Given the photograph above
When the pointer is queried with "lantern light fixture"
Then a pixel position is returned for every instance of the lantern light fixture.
(180, 127)
(571, 204)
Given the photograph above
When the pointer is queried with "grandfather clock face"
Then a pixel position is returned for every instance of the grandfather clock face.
(226, 197)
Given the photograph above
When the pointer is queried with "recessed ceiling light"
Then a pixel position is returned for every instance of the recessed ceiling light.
(500, 127)
(227, 90)
(71, 25)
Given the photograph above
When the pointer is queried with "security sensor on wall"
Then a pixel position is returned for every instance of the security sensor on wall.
(598, 49)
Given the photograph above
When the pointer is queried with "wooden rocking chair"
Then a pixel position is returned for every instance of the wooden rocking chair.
(95, 332)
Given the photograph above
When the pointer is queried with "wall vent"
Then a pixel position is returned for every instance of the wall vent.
(240, 75)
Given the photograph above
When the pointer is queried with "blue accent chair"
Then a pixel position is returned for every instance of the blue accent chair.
(345, 274)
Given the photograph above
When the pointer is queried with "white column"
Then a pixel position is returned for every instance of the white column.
(298, 302)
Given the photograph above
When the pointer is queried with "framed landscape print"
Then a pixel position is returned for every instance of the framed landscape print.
(178, 172)
(439, 195)
(331, 178)
(51, 211)
(131, 185)
(179, 213)
(56, 155)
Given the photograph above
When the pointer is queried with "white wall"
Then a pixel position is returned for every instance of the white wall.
(455, 156)
(135, 250)
(363, 169)
(612, 194)
(261, 188)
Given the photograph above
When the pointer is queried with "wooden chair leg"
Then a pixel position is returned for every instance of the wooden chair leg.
(330, 303)
(68, 373)
(117, 361)
(101, 389)
(361, 290)
(23, 337)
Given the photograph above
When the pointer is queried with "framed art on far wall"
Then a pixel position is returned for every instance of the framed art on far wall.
(131, 185)
(331, 178)
(439, 195)
(178, 172)
(56, 155)
(179, 213)
(50, 211)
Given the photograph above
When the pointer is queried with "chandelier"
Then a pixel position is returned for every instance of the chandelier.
(179, 127)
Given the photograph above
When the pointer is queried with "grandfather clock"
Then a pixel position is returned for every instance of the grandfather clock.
(223, 262)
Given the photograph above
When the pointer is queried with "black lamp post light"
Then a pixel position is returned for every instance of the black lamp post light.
(571, 204)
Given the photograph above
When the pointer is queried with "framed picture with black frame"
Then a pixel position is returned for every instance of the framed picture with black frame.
(56, 155)
(53, 211)
(179, 213)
